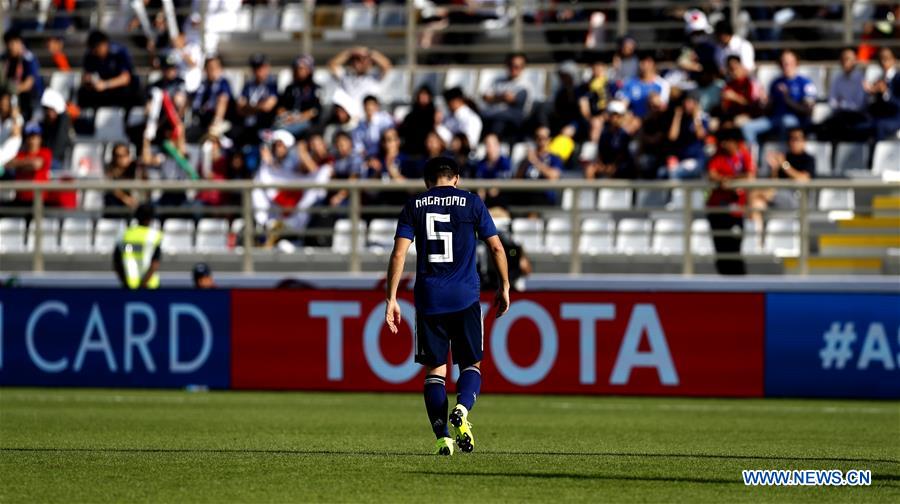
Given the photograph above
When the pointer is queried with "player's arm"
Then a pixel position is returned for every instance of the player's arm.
(501, 301)
(395, 270)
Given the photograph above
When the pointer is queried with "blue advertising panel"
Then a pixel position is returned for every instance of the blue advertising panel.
(833, 345)
(115, 338)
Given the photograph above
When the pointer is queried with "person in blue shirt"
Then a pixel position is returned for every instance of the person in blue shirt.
(108, 78)
(790, 103)
(539, 164)
(256, 105)
(637, 90)
(493, 166)
(21, 72)
(446, 223)
(211, 101)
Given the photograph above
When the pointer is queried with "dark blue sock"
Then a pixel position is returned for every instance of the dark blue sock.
(468, 387)
(436, 404)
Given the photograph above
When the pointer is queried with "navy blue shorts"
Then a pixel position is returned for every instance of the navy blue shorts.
(462, 330)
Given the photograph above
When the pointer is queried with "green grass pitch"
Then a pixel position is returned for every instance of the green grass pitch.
(82, 445)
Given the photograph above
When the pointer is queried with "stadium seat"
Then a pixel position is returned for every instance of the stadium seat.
(87, 160)
(667, 236)
(433, 79)
(212, 235)
(76, 235)
(851, 156)
(358, 18)
(235, 78)
(463, 78)
(244, 21)
(12, 234)
(487, 77)
(391, 15)
(91, 199)
(836, 199)
(327, 85)
(698, 199)
(701, 239)
(65, 83)
(136, 117)
(178, 236)
(615, 199)
(265, 18)
(341, 240)
(750, 244)
(529, 233)
(821, 112)
(503, 224)
(633, 236)
(652, 198)
(519, 153)
(558, 239)
(395, 87)
(293, 19)
(782, 237)
(284, 79)
(49, 234)
(817, 74)
(822, 152)
(587, 199)
(109, 124)
(381, 234)
(765, 74)
(596, 236)
(107, 233)
(537, 80)
(886, 157)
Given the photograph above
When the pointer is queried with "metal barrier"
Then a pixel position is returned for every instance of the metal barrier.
(355, 209)
(517, 29)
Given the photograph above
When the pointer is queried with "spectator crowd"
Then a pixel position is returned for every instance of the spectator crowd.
(626, 117)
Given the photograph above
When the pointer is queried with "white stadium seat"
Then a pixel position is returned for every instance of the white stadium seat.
(358, 17)
(87, 160)
(381, 234)
(212, 235)
(487, 77)
(109, 124)
(886, 157)
(65, 83)
(559, 235)
(836, 199)
(76, 235)
(633, 236)
(615, 199)
(782, 237)
(597, 236)
(107, 234)
(395, 87)
(851, 156)
(49, 235)
(750, 245)
(265, 18)
(822, 152)
(244, 21)
(178, 236)
(701, 239)
(293, 18)
(341, 239)
(433, 79)
(529, 233)
(463, 78)
(667, 236)
(12, 234)
(587, 199)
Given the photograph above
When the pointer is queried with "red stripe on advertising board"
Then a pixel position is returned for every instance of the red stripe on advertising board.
(692, 344)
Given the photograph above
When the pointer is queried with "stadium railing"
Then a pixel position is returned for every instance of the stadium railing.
(397, 29)
(859, 217)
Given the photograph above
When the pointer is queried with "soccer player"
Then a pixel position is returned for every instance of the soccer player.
(446, 222)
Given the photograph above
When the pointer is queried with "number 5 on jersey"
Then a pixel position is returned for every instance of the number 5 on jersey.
(444, 236)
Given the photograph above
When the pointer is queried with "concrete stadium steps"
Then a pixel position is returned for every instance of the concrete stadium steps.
(886, 206)
(838, 265)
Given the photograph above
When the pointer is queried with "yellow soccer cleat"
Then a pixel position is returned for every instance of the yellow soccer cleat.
(443, 446)
(461, 429)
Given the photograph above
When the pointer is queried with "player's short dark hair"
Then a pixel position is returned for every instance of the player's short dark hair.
(341, 134)
(733, 134)
(454, 94)
(513, 55)
(370, 98)
(647, 55)
(209, 59)
(724, 27)
(11, 34)
(734, 57)
(145, 214)
(97, 37)
(440, 167)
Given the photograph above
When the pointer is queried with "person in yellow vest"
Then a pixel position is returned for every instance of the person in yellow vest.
(136, 257)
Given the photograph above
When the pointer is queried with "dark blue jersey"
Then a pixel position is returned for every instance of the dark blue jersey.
(445, 223)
